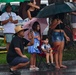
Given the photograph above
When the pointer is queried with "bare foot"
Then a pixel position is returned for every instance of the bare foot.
(63, 66)
(57, 67)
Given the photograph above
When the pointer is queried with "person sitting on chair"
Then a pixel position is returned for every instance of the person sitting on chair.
(46, 48)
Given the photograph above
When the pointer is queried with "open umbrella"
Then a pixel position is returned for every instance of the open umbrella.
(28, 25)
(56, 8)
(8, 1)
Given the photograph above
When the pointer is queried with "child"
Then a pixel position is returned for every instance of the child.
(33, 50)
(48, 50)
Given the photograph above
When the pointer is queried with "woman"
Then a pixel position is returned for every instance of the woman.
(32, 9)
(33, 50)
(58, 38)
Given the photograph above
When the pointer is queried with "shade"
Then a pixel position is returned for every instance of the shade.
(8, 1)
(56, 8)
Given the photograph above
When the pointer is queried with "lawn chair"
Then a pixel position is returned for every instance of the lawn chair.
(41, 57)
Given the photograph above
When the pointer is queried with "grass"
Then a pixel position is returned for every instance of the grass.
(2, 43)
(68, 55)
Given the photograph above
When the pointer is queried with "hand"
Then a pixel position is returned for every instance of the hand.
(67, 38)
(24, 56)
(59, 21)
(10, 19)
(30, 35)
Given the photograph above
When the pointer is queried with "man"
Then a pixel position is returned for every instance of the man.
(8, 19)
(15, 57)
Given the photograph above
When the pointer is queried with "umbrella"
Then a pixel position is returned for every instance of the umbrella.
(42, 21)
(8, 1)
(56, 8)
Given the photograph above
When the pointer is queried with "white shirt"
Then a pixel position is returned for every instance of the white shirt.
(45, 46)
(9, 27)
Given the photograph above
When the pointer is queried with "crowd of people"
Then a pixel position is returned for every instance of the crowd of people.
(16, 41)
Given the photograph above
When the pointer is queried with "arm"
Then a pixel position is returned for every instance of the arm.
(31, 38)
(5, 22)
(14, 21)
(29, 14)
(18, 51)
(44, 50)
(55, 23)
(67, 38)
(38, 37)
(74, 13)
(51, 49)
(33, 5)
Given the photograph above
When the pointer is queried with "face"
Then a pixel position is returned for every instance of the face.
(8, 9)
(38, 27)
(21, 33)
(46, 41)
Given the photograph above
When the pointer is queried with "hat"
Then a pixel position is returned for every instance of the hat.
(19, 28)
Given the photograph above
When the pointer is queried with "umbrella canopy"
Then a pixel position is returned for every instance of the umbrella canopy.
(8, 1)
(56, 8)
(28, 25)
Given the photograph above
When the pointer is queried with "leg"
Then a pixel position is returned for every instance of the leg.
(56, 54)
(47, 57)
(51, 57)
(32, 61)
(7, 46)
(8, 40)
(61, 55)
(19, 62)
(19, 66)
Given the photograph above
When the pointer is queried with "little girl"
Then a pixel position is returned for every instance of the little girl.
(33, 50)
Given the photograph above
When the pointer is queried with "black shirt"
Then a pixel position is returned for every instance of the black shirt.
(60, 26)
(34, 13)
(16, 42)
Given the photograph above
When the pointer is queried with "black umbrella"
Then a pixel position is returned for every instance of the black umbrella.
(56, 8)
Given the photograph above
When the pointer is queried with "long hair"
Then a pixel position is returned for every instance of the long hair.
(59, 16)
(34, 27)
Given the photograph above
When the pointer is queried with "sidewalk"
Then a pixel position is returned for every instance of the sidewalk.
(68, 63)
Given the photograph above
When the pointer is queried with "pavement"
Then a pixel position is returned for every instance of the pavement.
(71, 70)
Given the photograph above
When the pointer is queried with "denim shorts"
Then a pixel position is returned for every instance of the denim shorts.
(8, 37)
(57, 36)
(18, 60)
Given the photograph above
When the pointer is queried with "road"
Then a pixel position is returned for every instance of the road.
(71, 70)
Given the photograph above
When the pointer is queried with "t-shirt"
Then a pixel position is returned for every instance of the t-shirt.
(16, 42)
(46, 46)
(9, 27)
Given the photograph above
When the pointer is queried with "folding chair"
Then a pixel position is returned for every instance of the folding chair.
(41, 57)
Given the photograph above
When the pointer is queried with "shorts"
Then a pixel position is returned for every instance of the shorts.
(73, 25)
(18, 60)
(8, 37)
(57, 36)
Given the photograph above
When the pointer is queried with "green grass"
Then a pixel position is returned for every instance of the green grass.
(3, 57)
(2, 42)
(68, 55)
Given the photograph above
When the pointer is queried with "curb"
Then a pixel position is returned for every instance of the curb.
(69, 62)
